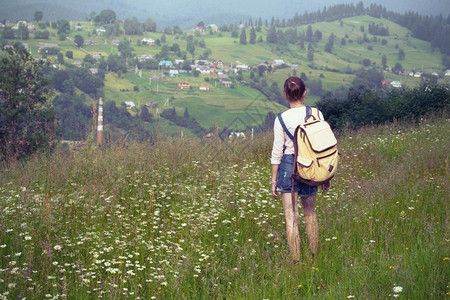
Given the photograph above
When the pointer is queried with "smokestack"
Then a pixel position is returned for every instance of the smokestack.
(100, 123)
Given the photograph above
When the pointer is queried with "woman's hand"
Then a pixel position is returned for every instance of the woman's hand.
(326, 186)
(274, 190)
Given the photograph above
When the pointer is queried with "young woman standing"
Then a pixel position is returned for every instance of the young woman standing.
(282, 164)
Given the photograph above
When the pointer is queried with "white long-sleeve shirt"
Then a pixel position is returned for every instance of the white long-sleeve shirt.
(292, 118)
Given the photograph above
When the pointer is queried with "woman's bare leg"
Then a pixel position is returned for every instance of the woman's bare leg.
(312, 228)
(292, 218)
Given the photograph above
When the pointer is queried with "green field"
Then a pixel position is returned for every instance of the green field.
(187, 218)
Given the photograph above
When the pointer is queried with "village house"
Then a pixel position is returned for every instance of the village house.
(97, 56)
(2, 26)
(148, 41)
(152, 104)
(145, 57)
(78, 28)
(129, 104)
(213, 27)
(179, 62)
(165, 63)
(277, 63)
(222, 77)
(447, 73)
(184, 85)
(89, 43)
(203, 88)
(115, 42)
(93, 71)
(101, 29)
(242, 67)
(174, 73)
(198, 28)
(226, 84)
(47, 46)
(386, 82)
(418, 74)
(406, 74)
(31, 29)
(396, 84)
(77, 63)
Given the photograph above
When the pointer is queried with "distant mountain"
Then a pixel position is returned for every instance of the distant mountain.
(188, 13)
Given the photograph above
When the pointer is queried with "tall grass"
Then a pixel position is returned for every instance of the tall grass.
(194, 219)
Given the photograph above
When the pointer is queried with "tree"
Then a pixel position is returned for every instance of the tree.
(60, 58)
(145, 115)
(190, 47)
(309, 34)
(125, 49)
(26, 118)
(310, 54)
(79, 40)
(272, 35)
(107, 16)
(384, 60)
(401, 54)
(149, 25)
(69, 54)
(186, 113)
(38, 15)
(23, 32)
(252, 36)
(243, 37)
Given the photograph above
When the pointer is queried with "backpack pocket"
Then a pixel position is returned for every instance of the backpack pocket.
(327, 164)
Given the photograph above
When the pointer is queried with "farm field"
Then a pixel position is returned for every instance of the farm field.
(194, 219)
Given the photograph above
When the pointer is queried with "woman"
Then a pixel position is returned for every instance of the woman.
(282, 164)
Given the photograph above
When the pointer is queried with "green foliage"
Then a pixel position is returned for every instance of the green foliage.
(371, 106)
(146, 116)
(74, 116)
(38, 15)
(79, 40)
(26, 120)
(107, 16)
(243, 37)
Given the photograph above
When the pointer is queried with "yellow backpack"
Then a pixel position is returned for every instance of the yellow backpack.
(316, 153)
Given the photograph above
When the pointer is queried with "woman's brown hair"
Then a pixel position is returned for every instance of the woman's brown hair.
(294, 88)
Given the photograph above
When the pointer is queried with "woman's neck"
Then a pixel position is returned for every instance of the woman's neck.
(296, 104)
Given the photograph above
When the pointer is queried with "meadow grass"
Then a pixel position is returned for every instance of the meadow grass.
(188, 218)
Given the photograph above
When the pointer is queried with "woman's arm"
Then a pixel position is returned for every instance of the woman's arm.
(274, 181)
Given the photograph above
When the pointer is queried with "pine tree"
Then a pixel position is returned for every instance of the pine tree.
(243, 37)
(253, 36)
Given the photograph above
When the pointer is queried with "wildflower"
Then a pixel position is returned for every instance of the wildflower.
(299, 286)
(55, 263)
(446, 258)
(397, 289)
(27, 238)
(3, 246)
(350, 296)
(57, 247)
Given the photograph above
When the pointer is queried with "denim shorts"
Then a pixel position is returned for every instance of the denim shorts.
(284, 181)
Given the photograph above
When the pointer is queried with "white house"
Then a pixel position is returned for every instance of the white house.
(447, 73)
(396, 84)
(148, 41)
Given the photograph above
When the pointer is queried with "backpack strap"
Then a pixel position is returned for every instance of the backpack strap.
(284, 127)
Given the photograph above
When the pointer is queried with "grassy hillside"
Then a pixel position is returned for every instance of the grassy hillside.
(193, 219)
(224, 105)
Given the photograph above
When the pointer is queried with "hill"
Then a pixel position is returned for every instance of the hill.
(189, 218)
(243, 106)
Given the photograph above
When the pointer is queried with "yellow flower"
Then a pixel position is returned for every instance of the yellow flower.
(299, 286)
(446, 258)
